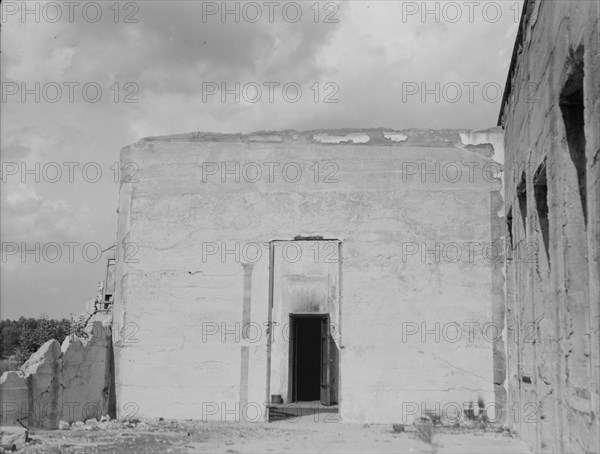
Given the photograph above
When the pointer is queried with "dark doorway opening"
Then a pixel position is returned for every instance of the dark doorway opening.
(313, 360)
(306, 357)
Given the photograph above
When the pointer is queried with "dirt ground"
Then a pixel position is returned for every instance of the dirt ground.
(301, 435)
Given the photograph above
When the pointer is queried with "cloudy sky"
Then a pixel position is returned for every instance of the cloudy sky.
(79, 82)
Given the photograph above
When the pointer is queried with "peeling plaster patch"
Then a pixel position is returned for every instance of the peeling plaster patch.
(354, 138)
(395, 136)
(484, 149)
(271, 138)
(493, 136)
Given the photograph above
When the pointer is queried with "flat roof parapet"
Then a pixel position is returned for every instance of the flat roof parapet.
(443, 138)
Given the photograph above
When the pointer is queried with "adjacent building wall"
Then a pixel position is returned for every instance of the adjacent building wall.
(418, 215)
(552, 198)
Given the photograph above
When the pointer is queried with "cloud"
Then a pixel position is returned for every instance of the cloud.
(367, 57)
(169, 49)
(28, 217)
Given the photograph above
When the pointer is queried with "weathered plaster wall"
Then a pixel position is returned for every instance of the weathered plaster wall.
(57, 383)
(403, 214)
(553, 299)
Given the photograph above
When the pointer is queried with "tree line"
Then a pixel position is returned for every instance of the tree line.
(24, 336)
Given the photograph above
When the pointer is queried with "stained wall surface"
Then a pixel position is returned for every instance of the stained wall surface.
(551, 118)
(417, 297)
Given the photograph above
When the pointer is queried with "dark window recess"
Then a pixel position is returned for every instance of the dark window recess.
(571, 105)
(509, 227)
(522, 197)
(540, 189)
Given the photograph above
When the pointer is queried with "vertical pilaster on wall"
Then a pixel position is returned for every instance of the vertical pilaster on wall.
(119, 309)
(270, 326)
(509, 271)
(246, 319)
(520, 303)
(499, 313)
(484, 140)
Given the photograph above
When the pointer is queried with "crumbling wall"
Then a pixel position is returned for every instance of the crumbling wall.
(553, 272)
(57, 383)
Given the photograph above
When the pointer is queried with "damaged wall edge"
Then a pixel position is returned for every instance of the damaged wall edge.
(68, 383)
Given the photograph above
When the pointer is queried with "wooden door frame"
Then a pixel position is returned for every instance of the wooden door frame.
(270, 313)
(292, 391)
